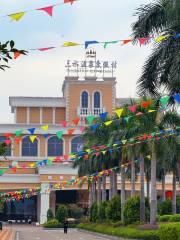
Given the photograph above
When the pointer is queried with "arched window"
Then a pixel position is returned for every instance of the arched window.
(97, 100)
(55, 147)
(29, 149)
(77, 144)
(84, 99)
(8, 148)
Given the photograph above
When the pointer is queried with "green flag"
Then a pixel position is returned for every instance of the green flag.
(59, 134)
(164, 100)
(127, 119)
(2, 171)
(90, 119)
(18, 133)
(107, 43)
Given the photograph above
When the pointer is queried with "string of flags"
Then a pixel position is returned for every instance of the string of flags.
(47, 9)
(106, 44)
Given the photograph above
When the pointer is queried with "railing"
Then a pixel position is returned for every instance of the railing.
(89, 111)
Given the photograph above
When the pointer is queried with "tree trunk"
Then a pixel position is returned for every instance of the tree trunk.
(174, 194)
(148, 187)
(99, 191)
(123, 194)
(133, 178)
(103, 188)
(90, 195)
(114, 183)
(142, 197)
(93, 191)
(163, 188)
(153, 202)
(111, 186)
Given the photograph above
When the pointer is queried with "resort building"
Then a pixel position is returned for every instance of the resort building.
(81, 97)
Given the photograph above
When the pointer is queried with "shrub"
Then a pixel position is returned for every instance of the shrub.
(62, 213)
(50, 215)
(94, 212)
(124, 232)
(102, 211)
(165, 208)
(175, 218)
(52, 224)
(75, 212)
(169, 232)
(113, 209)
(164, 218)
(132, 210)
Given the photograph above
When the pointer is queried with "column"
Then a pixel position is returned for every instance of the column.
(54, 115)
(44, 202)
(53, 202)
(41, 115)
(28, 115)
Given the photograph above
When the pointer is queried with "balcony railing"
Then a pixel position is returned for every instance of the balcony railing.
(89, 111)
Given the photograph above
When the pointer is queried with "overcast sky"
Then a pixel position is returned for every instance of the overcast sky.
(42, 74)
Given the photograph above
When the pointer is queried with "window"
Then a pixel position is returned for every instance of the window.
(8, 148)
(76, 144)
(97, 102)
(84, 100)
(55, 147)
(29, 149)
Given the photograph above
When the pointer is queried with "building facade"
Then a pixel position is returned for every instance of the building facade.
(81, 97)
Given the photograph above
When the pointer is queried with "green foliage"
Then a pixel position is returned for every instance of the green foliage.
(50, 215)
(113, 209)
(169, 218)
(2, 149)
(53, 223)
(94, 212)
(169, 231)
(75, 212)
(165, 208)
(132, 210)
(124, 232)
(6, 51)
(102, 211)
(62, 213)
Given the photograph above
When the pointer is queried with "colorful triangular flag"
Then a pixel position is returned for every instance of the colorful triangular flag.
(48, 10)
(90, 119)
(111, 42)
(45, 127)
(16, 16)
(59, 134)
(119, 112)
(32, 138)
(87, 43)
(70, 44)
(108, 123)
(32, 130)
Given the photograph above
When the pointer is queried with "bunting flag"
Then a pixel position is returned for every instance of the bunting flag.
(151, 110)
(87, 43)
(126, 119)
(32, 138)
(18, 133)
(64, 124)
(71, 131)
(94, 127)
(143, 41)
(164, 100)
(161, 38)
(59, 134)
(119, 112)
(69, 1)
(7, 142)
(70, 44)
(45, 135)
(145, 104)
(126, 41)
(17, 140)
(45, 127)
(76, 121)
(82, 129)
(48, 10)
(108, 123)
(32, 130)
(16, 16)
(132, 108)
(106, 44)
(177, 97)
(17, 54)
(45, 49)
(103, 116)
(90, 119)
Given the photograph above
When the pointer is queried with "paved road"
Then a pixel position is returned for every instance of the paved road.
(37, 233)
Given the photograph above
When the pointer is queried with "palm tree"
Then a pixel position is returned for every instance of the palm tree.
(162, 68)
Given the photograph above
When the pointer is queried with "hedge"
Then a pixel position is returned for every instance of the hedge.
(125, 232)
(169, 218)
(169, 231)
(55, 224)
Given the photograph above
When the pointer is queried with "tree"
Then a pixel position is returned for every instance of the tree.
(6, 51)
(62, 213)
(50, 215)
(162, 68)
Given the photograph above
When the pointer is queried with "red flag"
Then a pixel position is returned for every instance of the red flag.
(64, 124)
(17, 54)
(70, 131)
(76, 121)
(126, 41)
(45, 49)
(7, 141)
(48, 10)
(7, 135)
(69, 1)
(132, 108)
(17, 140)
(145, 104)
(66, 157)
(143, 41)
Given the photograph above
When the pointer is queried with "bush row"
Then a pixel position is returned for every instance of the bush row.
(169, 231)
(54, 223)
(169, 218)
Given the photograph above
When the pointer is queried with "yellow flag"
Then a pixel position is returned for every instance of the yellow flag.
(151, 111)
(45, 127)
(31, 165)
(108, 123)
(16, 16)
(119, 112)
(161, 38)
(70, 44)
(32, 138)
(124, 141)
